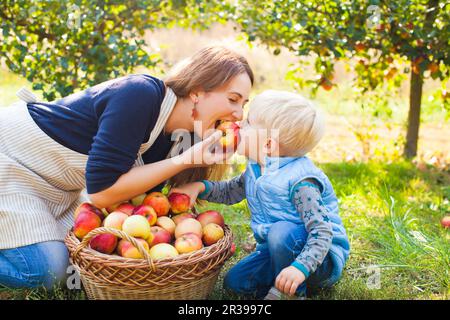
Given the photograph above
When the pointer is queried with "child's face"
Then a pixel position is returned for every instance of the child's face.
(255, 142)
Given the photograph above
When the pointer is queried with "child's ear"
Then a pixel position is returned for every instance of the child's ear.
(271, 147)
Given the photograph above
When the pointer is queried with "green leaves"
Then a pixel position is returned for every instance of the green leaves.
(61, 46)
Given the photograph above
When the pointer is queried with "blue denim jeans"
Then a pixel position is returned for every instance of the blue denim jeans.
(40, 264)
(256, 273)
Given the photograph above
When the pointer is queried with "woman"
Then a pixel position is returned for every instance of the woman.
(112, 139)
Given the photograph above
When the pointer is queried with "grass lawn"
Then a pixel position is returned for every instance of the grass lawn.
(392, 214)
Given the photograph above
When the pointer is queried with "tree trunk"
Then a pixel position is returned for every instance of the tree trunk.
(415, 100)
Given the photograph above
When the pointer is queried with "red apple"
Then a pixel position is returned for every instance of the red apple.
(159, 202)
(104, 243)
(148, 212)
(179, 202)
(85, 222)
(182, 216)
(160, 235)
(230, 136)
(86, 206)
(445, 222)
(212, 233)
(233, 248)
(115, 220)
(125, 208)
(113, 207)
(188, 226)
(211, 216)
(127, 250)
(188, 242)
(167, 224)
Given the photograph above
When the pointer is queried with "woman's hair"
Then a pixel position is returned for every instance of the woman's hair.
(299, 123)
(208, 69)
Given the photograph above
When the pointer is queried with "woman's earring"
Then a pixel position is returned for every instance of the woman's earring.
(194, 110)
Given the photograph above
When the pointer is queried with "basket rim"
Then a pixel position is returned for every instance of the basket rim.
(205, 253)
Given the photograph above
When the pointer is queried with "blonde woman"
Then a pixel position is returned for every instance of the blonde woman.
(112, 139)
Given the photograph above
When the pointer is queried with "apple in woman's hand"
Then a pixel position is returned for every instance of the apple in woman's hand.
(230, 136)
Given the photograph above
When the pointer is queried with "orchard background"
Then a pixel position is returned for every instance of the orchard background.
(379, 70)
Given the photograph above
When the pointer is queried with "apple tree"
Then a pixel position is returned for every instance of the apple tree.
(379, 35)
(61, 46)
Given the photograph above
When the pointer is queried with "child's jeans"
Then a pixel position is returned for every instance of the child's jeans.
(36, 265)
(256, 273)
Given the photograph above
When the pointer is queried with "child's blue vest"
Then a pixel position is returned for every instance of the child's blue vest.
(269, 198)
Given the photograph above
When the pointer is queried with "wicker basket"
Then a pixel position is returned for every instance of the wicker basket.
(187, 276)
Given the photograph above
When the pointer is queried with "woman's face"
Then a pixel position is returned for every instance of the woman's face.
(224, 103)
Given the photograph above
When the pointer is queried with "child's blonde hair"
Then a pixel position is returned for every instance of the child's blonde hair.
(300, 124)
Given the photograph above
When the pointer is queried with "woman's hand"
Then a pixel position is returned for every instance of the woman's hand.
(289, 279)
(192, 189)
(206, 152)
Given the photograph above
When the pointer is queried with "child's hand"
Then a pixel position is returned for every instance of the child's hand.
(289, 279)
(192, 189)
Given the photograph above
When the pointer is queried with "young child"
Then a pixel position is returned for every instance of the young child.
(301, 240)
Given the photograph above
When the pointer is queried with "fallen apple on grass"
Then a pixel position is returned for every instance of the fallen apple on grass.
(179, 202)
(445, 222)
(159, 202)
(188, 242)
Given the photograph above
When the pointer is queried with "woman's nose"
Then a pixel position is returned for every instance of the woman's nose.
(238, 114)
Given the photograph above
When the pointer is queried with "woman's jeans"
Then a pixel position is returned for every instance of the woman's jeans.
(256, 273)
(40, 264)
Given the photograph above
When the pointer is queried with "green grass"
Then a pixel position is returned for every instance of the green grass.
(392, 214)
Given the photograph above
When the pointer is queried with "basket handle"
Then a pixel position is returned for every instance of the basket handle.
(118, 233)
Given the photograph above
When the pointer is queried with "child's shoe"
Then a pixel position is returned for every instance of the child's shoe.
(275, 294)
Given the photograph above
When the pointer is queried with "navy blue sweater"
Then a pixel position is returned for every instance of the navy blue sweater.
(108, 122)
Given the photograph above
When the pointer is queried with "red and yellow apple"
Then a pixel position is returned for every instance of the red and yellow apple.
(86, 206)
(115, 220)
(137, 201)
(159, 202)
(181, 217)
(179, 202)
(125, 208)
(167, 224)
(160, 235)
(212, 233)
(188, 242)
(230, 135)
(127, 250)
(189, 225)
(148, 212)
(211, 216)
(85, 222)
(137, 226)
(113, 207)
(163, 250)
(104, 243)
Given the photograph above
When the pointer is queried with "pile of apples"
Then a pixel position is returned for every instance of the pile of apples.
(163, 225)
